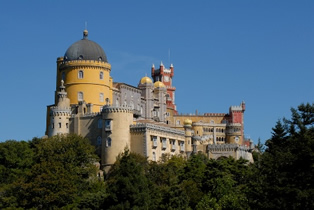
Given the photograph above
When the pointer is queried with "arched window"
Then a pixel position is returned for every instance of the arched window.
(117, 102)
(101, 75)
(101, 97)
(80, 74)
(108, 142)
(80, 96)
(98, 141)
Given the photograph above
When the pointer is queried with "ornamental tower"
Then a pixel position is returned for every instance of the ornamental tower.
(147, 87)
(235, 128)
(86, 74)
(165, 76)
(85, 70)
(60, 114)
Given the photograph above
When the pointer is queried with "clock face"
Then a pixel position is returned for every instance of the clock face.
(166, 78)
(236, 139)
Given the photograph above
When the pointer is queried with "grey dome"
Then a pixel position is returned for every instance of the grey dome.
(85, 50)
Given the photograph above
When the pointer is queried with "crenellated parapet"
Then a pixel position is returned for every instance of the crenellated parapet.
(84, 63)
(92, 114)
(226, 150)
(227, 147)
(117, 109)
(60, 111)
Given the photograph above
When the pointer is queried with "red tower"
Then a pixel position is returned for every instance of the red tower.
(165, 75)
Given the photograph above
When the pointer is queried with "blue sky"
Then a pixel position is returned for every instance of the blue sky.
(223, 52)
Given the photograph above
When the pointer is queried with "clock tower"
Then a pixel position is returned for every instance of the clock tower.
(165, 76)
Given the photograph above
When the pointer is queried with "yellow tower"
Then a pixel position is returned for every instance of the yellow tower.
(86, 74)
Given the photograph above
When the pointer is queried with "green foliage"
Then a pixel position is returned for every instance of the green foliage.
(59, 169)
(127, 185)
(16, 158)
(284, 176)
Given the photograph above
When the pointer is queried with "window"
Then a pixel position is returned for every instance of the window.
(52, 125)
(67, 125)
(98, 140)
(178, 122)
(108, 125)
(154, 156)
(101, 97)
(80, 96)
(101, 75)
(173, 144)
(59, 125)
(99, 123)
(108, 142)
(164, 143)
(182, 146)
(80, 74)
(117, 102)
(154, 139)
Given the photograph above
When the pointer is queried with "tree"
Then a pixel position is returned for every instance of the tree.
(63, 170)
(287, 166)
(16, 159)
(192, 177)
(127, 185)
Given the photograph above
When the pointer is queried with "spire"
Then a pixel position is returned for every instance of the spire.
(161, 64)
(62, 93)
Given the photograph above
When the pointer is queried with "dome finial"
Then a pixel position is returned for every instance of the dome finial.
(85, 34)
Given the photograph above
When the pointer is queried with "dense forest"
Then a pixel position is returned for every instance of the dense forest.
(60, 172)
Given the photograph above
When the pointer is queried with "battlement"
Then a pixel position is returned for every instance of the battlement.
(113, 109)
(60, 111)
(205, 114)
(236, 108)
(88, 63)
(227, 147)
(92, 114)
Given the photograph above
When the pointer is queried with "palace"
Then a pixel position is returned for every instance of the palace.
(115, 116)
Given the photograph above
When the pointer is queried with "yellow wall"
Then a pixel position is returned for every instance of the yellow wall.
(90, 85)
